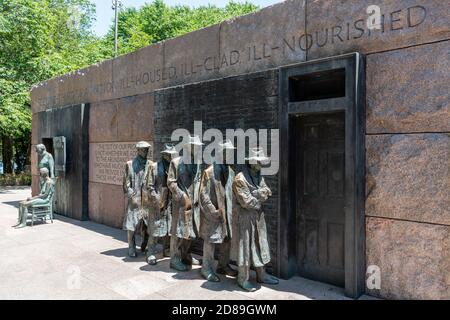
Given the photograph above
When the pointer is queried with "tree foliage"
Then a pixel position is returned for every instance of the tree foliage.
(156, 21)
(40, 39)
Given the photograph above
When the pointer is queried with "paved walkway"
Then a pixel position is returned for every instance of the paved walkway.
(84, 260)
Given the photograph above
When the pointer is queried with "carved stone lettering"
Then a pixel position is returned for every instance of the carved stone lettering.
(107, 161)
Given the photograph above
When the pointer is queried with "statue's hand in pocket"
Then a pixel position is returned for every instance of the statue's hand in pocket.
(187, 203)
(134, 202)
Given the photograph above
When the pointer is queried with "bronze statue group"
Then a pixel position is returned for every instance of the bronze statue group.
(174, 202)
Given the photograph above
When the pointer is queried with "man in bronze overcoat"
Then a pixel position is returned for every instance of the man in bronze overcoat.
(251, 245)
(216, 201)
(160, 204)
(184, 184)
(134, 188)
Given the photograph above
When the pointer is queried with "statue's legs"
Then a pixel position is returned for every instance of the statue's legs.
(263, 277)
(186, 255)
(22, 219)
(185, 249)
(151, 252)
(208, 262)
(23, 211)
(223, 266)
(243, 279)
(144, 236)
(166, 246)
(176, 254)
(131, 244)
(19, 215)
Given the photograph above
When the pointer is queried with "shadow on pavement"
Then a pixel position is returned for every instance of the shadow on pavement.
(123, 253)
(111, 232)
(14, 204)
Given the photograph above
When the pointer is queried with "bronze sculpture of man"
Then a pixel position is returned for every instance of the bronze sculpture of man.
(184, 183)
(160, 204)
(134, 188)
(45, 160)
(251, 243)
(216, 201)
(44, 197)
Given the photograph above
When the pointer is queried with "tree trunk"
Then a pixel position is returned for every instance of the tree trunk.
(7, 154)
(22, 148)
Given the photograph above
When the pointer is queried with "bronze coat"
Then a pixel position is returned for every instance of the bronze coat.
(250, 245)
(183, 182)
(133, 181)
(216, 194)
(160, 200)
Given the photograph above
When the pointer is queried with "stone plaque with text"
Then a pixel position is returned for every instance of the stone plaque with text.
(107, 161)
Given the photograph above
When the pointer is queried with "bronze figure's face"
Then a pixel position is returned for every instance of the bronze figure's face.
(43, 172)
(40, 149)
(167, 157)
(142, 152)
(255, 167)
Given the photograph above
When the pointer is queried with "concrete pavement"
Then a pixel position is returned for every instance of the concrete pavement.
(70, 259)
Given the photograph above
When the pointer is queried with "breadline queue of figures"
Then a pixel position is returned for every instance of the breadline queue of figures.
(174, 202)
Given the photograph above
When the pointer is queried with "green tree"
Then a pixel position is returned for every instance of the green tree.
(39, 39)
(156, 21)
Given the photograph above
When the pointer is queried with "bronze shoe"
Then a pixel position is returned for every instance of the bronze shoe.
(211, 276)
(178, 265)
(227, 271)
(151, 260)
(132, 252)
(192, 262)
(247, 286)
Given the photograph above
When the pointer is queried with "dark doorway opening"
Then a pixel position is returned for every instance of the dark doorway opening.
(317, 85)
(322, 172)
(48, 143)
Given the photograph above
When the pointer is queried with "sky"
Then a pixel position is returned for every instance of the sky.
(105, 13)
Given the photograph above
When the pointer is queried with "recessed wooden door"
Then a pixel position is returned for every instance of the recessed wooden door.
(320, 177)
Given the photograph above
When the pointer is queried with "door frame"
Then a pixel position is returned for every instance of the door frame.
(353, 106)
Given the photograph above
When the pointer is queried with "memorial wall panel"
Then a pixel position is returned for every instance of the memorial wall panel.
(114, 129)
(408, 177)
(408, 90)
(340, 26)
(413, 258)
(107, 161)
(106, 204)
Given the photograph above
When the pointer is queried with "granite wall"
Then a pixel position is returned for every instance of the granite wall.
(408, 171)
(229, 70)
(114, 128)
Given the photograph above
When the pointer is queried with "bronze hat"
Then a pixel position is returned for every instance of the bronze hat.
(194, 140)
(169, 149)
(143, 145)
(257, 154)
